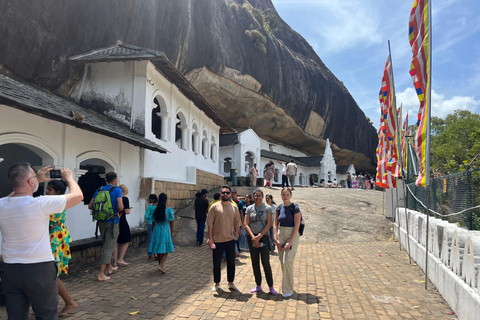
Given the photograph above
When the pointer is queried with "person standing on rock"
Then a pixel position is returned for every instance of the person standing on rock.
(254, 175)
(285, 227)
(292, 173)
(268, 173)
(348, 180)
(223, 221)
(284, 174)
(201, 209)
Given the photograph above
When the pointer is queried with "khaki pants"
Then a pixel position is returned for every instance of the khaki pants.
(109, 240)
(292, 181)
(287, 258)
(253, 181)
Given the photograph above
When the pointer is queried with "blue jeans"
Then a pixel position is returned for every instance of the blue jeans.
(200, 231)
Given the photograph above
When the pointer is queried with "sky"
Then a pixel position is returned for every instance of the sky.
(351, 37)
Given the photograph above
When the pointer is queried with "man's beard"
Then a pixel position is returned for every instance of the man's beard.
(225, 198)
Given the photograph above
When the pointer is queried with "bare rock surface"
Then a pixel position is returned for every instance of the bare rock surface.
(242, 65)
(337, 215)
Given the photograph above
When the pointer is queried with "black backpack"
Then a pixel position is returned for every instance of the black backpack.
(292, 208)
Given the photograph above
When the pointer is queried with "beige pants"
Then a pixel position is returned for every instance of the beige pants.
(253, 181)
(287, 258)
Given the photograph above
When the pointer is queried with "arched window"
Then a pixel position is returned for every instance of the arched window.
(213, 149)
(204, 144)
(159, 118)
(249, 160)
(181, 131)
(195, 138)
(14, 153)
(227, 165)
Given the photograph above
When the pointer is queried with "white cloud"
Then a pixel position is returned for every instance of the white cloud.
(441, 107)
(340, 25)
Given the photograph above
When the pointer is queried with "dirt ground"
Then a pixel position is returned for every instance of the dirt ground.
(337, 215)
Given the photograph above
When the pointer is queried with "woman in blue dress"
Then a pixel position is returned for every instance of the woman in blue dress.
(162, 244)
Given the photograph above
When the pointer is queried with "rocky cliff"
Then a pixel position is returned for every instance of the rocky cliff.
(241, 56)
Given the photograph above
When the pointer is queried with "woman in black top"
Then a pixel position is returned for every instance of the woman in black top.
(124, 236)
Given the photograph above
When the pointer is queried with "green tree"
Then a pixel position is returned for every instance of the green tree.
(455, 141)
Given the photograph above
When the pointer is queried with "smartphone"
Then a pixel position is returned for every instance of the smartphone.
(283, 245)
(55, 174)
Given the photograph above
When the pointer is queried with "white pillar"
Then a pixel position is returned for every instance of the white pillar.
(195, 142)
(164, 126)
(184, 129)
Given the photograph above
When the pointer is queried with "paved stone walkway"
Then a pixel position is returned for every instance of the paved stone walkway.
(371, 280)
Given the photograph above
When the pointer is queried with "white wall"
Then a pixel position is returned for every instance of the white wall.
(173, 165)
(67, 146)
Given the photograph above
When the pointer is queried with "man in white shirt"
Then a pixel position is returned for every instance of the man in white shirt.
(291, 173)
(29, 270)
(284, 174)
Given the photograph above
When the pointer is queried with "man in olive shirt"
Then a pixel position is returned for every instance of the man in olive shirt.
(223, 221)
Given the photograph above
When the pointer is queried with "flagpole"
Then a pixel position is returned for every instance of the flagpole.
(427, 148)
(405, 194)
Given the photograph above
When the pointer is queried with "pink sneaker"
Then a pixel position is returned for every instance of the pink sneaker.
(256, 289)
(272, 291)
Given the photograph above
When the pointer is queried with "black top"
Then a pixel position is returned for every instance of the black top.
(201, 208)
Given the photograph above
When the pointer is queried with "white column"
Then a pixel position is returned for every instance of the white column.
(195, 142)
(164, 126)
(184, 129)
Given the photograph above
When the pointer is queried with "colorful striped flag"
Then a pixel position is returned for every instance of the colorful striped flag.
(387, 152)
(404, 144)
(418, 35)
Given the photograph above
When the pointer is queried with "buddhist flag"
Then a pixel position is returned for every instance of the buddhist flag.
(404, 144)
(418, 35)
(387, 152)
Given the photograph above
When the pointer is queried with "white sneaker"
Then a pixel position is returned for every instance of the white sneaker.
(232, 287)
(216, 288)
(287, 295)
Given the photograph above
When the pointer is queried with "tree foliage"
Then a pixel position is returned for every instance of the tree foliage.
(455, 141)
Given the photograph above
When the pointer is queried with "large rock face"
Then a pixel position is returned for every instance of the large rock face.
(246, 61)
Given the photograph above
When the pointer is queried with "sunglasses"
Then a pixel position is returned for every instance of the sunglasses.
(225, 192)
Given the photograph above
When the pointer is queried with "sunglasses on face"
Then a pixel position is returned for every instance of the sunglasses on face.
(225, 192)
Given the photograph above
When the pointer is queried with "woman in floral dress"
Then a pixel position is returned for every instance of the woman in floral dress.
(60, 242)
(269, 172)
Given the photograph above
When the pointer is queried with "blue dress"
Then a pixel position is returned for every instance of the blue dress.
(162, 236)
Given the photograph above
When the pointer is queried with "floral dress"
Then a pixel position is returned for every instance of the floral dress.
(60, 241)
(269, 172)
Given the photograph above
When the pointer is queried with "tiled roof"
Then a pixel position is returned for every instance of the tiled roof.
(48, 105)
(282, 157)
(228, 139)
(311, 161)
(342, 169)
(123, 52)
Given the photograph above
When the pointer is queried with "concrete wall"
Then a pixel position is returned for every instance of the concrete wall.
(180, 194)
(453, 258)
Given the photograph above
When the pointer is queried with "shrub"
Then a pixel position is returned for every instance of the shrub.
(258, 15)
(258, 39)
(271, 23)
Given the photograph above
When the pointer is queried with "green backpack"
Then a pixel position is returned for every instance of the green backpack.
(102, 209)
